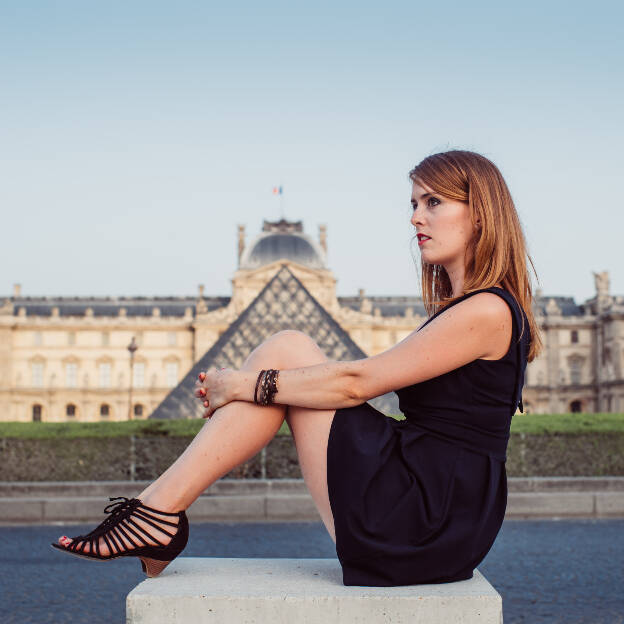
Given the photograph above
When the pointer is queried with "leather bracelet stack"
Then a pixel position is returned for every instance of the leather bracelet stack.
(267, 383)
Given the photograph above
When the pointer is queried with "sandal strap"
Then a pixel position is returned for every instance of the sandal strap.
(108, 544)
(98, 552)
(145, 514)
(139, 537)
(165, 513)
(117, 541)
(146, 518)
(140, 528)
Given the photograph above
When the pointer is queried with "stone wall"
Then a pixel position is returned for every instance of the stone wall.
(145, 457)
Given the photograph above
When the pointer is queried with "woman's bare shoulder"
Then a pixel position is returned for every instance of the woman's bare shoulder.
(494, 311)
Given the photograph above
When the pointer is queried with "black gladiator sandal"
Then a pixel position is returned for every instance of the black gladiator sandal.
(119, 525)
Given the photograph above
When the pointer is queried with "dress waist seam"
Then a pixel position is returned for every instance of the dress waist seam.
(498, 456)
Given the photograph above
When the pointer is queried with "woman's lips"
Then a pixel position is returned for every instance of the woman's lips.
(422, 240)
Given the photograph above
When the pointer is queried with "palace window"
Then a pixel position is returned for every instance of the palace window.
(71, 338)
(105, 339)
(576, 407)
(70, 410)
(38, 339)
(138, 411)
(138, 376)
(171, 374)
(576, 369)
(36, 413)
(36, 369)
(105, 375)
(71, 373)
(574, 335)
(104, 410)
(172, 339)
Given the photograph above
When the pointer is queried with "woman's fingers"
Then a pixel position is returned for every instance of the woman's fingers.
(202, 391)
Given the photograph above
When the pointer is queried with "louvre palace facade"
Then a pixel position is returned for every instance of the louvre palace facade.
(68, 358)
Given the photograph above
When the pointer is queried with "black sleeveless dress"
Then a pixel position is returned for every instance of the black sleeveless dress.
(422, 500)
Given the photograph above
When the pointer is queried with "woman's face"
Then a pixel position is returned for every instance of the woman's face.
(446, 222)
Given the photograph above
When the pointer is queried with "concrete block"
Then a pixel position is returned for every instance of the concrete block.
(43, 489)
(609, 503)
(564, 484)
(21, 510)
(79, 509)
(305, 591)
(226, 508)
(239, 487)
(288, 486)
(291, 506)
(550, 504)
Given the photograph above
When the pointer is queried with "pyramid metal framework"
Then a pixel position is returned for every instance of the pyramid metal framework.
(284, 303)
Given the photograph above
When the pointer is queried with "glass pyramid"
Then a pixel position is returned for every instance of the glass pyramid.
(284, 303)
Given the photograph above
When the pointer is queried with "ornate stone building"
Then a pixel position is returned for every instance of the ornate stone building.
(67, 358)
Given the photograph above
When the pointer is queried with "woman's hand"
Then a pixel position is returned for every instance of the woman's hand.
(215, 388)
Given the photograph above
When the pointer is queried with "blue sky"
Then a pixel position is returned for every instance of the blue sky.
(135, 136)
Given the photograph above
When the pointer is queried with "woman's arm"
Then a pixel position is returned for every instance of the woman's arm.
(321, 386)
(477, 327)
(474, 328)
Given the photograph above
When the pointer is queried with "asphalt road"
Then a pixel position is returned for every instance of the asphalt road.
(547, 571)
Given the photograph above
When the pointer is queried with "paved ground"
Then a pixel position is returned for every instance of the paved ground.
(548, 571)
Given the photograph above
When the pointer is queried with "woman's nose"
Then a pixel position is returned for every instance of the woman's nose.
(416, 217)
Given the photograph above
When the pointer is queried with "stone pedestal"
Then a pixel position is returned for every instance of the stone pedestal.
(303, 591)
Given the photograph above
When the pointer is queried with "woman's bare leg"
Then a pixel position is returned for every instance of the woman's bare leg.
(239, 430)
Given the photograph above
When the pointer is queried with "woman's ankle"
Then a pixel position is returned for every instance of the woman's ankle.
(160, 502)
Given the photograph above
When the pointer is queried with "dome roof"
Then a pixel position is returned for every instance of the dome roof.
(282, 240)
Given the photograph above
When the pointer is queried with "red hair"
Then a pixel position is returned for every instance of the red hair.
(497, 254)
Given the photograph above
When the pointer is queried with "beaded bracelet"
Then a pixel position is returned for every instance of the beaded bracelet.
(257, 384)
(271, 386)
(267, 382)
(265, 388)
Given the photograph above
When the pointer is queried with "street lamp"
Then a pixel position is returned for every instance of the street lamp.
(132, 347)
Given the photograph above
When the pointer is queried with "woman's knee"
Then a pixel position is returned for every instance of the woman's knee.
(292, 336)
(288, 348)
(299, 347)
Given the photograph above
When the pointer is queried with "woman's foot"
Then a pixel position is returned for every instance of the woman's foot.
(139, 525)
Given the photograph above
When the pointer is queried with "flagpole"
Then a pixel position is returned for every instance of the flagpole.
(281, 201)
(278, 190)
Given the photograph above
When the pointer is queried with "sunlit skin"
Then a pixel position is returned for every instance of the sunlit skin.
(448, 223)
(239, 429)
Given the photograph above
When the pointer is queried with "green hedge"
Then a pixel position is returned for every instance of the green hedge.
(567, 423)
(521, 423)
(557, 445)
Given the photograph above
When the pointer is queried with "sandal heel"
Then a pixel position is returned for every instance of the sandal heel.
(153, 567)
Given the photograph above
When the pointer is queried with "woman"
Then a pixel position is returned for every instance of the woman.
(419, 500)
